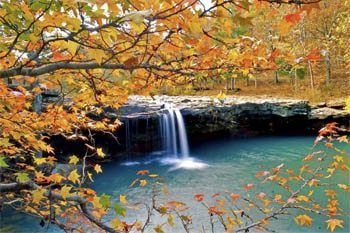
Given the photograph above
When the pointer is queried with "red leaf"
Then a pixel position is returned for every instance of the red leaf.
(292, 18)
(249, 186)
(274, 54)
(215, 195)
(314, 55)
(199, 197)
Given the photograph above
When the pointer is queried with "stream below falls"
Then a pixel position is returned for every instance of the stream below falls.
(221, 165)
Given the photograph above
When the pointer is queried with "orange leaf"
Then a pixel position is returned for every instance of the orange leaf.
(292, 18)
(303, 220)
(142, 172)
(199, 197)
(333, 223)
(314, 55)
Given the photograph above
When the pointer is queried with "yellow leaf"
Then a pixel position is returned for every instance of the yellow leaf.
(56, 177)
(97, 54)
(171, 220)
(303, 220)
(100, 152)
(310, 193)
(303, 198)
(116, 224)
(96, 203)
(330, 193)
(74, 176)
(153, 175)
(72, 47)
(65, 191)
(39, 161)
(122, 199)
(90, 176)
(73, 159)
(143, 183)
(38, 195)
(333, 223)
(97, 168)
(338, 158)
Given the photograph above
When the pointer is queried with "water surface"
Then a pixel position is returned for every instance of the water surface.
(232, 163)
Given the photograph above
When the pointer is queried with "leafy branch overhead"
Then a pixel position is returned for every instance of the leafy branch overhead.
(93, 54)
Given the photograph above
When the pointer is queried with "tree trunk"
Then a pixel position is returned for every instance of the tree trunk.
(295, 80)
(311, 72)
(328, 68)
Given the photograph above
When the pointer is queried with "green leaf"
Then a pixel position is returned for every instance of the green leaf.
(119, 210)
(105, 200)
(22, 177)
(2, 162)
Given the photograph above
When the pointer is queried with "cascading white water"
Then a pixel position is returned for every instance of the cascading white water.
(182, 134)
(175, 142)
(173, 131)
(173, 137)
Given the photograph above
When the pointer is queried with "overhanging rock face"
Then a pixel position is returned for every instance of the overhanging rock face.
(207, 117)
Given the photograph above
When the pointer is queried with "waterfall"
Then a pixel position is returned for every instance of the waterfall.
(174, 133)
(182, 134)
(173, 138)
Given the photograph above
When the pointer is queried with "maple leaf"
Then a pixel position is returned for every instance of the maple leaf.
(343, 138)
(303, 220)
(261, 195)
(65, 191)
(143, 183)
(314, 55)
(292, 18)
(119, 210)
(338, 158)
(199, 197)
(105, 200)
(56, 178)
(248, 186)
(303, 198)
(50, 160)
(170, 220)
(2, 162)
(100, 152)
(262, 174)
(39, 161)
(278, 198)
(313, 182)
(74, 176)
(96, 202)
(122, 199)
(89, 175)
(330, 193)
(235, 196)
(142, 172)
(22, 177)
(117, 224)
(38, 195)
(333, 223)
(73, 159)
(158, 229)
(98, 168)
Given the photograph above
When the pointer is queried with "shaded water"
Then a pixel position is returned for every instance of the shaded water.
(232, 164)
